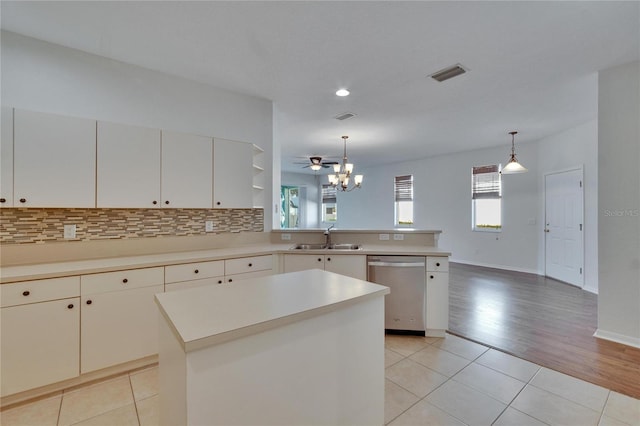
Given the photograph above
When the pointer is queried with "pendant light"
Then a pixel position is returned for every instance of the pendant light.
(342, 173)
(513, 166)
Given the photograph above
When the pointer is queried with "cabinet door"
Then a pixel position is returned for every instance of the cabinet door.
(302, 262)
(40, 344)
(232, 174)
(128, 166)
(187, 170)
(437, 301)
(118, 327)
(346, 264)
(6, 157)
(54, 160)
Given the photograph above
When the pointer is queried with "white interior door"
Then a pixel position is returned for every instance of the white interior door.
(564, 220)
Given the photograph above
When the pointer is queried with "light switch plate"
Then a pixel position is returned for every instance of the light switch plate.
(69, 232)
(208, 226)
(398, 237)
(285, 237)
(383, 237)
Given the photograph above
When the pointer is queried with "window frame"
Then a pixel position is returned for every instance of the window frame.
(486, 189)
(403, 192)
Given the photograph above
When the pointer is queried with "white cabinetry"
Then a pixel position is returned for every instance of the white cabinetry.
(128, 166)
(346, 264)
(6, 157)
(187, 170)
(232, 174)
(247, 267)
(40, 333)
(54, 160)
(437, 294)
(119, 317)
(190, 275)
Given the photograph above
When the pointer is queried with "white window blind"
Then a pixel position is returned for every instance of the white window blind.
(328, 194)
(404, 188)
(486, 182)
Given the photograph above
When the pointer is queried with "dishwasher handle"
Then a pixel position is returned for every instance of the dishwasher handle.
(397, 264)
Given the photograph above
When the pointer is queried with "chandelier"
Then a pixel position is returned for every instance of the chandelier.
(513, 166)
(342, 173)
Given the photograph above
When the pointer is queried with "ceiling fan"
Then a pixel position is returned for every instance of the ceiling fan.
(316, 163)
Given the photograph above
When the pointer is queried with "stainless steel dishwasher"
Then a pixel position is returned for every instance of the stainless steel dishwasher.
(405, 276)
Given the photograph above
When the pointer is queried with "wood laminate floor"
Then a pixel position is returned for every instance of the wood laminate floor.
(540, 320)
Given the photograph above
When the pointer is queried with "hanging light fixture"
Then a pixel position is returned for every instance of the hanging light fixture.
(513, 166)
(342, 173)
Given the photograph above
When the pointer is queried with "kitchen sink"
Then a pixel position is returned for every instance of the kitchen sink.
(344, 247)
(309, 247)
(327, 247)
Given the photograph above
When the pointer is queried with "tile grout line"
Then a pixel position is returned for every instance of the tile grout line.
(133, 394)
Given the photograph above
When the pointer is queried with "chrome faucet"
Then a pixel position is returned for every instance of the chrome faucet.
(327, 235)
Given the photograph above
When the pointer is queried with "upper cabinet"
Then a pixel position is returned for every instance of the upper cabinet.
(54, 160)
(232, 174)
(187, 170)
(6, 157)
(128, 166)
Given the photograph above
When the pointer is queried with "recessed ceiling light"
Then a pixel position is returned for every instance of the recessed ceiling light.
(342, 92)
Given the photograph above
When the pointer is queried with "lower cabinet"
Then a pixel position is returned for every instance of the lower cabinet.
(119, 317)
(247, 267)
(351, 265)
(437, 294)
(39, 344)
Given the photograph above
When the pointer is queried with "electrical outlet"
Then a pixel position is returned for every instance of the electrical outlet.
(398, 237)
(69, 232)
(208, 226)
(383, 237)
(285, 237)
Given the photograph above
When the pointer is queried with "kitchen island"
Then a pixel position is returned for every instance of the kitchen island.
(298, 348)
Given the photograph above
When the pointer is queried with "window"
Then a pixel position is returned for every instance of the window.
(403, 189)
(486, 196)
(329, 204)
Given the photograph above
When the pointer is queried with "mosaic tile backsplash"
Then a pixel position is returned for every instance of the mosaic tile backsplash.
(29, 226)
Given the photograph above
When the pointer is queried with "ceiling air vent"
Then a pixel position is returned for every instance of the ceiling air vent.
(344, 116)
(448, 73)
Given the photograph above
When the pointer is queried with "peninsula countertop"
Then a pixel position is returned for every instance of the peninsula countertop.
(9, 274)
(210, 315)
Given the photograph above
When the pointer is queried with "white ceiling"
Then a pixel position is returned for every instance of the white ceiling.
(532, 65)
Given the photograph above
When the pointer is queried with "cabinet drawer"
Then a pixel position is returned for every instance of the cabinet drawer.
(193, 271)
(248, 264)
(240, 277)
(438, 264)
(184, 285)
(25, 292)
(121, 280)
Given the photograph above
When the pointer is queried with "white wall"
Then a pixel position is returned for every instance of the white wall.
(619, 203)
(46, 77)
(310, 206)
(443, 201)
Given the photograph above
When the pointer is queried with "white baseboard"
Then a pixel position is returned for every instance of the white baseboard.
(618, 338)
(503, 267)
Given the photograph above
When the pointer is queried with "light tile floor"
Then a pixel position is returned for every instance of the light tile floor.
(429, 381)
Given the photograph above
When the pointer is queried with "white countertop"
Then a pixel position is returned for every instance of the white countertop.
(214, 314)
(10, 274)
